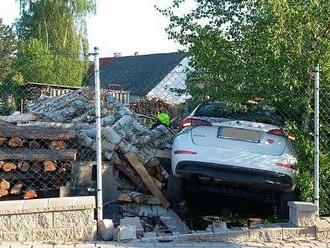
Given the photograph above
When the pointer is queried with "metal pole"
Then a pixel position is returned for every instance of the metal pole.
(317, 140)
(99, 197)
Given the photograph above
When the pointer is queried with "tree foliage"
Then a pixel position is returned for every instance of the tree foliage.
(8, 78)
(262, 49)
(54, 29)
(7, 47)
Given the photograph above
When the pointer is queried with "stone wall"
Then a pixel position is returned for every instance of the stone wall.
(48, 220)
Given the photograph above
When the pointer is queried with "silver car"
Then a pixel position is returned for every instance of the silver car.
(245, 149)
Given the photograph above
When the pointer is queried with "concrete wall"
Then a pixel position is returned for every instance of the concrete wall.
(48, 220)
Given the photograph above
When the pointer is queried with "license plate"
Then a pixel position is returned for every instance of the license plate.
(239, 134)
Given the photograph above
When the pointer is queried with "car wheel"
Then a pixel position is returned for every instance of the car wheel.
(174, 190)
(282, 203)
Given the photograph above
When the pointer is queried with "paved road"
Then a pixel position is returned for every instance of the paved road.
(137, 244)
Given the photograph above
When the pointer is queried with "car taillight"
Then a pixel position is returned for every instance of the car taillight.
(277, 131)
(185, 152)
(193, 121)
(286, 165)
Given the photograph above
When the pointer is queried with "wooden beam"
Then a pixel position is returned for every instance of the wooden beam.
(147, 180)
(26, 154)
(27, 132)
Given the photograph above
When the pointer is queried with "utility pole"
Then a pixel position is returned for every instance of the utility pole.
(317, 139)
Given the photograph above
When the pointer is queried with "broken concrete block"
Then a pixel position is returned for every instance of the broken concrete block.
(302, 214)
(150, 235)
(106, 229)
(133, 221)
(252, 222)
(167, 216)
(219, 227)
(125, 233)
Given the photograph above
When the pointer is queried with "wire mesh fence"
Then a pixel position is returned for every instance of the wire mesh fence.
(49, 143)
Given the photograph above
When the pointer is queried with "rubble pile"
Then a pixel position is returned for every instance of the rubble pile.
(127, 145)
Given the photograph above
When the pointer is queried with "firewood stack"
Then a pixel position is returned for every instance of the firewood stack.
(57, 131)
(33, 158)
(152, 107)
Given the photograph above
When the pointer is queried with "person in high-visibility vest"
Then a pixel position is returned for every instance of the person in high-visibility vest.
(162, 119)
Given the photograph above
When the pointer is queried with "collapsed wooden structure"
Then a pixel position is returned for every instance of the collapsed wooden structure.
(58, 131)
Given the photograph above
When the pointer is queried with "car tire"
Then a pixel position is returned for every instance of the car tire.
(174, 190)
(282, 203)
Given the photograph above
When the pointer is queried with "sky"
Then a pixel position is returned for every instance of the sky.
(119, 26)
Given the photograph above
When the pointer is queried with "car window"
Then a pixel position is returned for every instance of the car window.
(222, 110)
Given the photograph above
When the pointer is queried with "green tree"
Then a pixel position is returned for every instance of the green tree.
(262, 49)
(7, 47)
(7, 85)
(35, 61)
(60, 28)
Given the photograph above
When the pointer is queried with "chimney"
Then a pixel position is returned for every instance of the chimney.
(117, 55)
(136, 53)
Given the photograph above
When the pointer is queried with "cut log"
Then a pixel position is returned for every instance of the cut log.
(57, 144)
(34, 145)
(25, 117)
(16, 189)
(124, 198)
(2, 141)
(147, 180)
(49, 166)
(37, 154)
(27, 132)
(36, 167)
(15, 142)
(23, 165)
(3, 192)
(64, 166)
(144, 199)
(1, 164)
(4, 184)
(30, 194)
(7, 167)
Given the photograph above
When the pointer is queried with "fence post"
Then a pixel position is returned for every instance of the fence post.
(317, 139)
(99, 197)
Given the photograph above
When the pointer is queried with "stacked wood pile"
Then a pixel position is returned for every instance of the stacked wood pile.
(32, 158)
(57, 131)
(152, 107)
(129, 145)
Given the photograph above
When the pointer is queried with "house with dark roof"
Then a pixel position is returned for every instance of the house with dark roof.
(146, 76)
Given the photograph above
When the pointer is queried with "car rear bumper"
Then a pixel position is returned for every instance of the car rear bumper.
(237, 176)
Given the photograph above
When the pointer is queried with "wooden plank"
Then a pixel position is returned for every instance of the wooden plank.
(26, 154)
(147, 180)
(27, 132)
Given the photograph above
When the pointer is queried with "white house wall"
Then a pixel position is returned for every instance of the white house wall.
(176, 79)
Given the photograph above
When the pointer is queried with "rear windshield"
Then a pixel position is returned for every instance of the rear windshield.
(255, 114)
